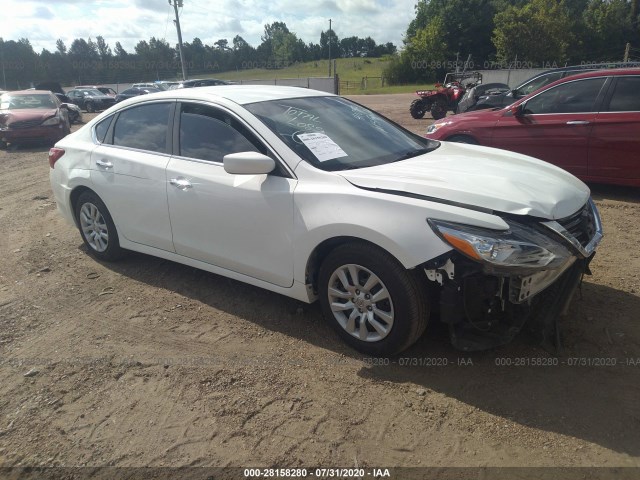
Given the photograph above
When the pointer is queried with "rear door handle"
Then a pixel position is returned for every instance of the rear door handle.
(104, 164)
(578, 122)
(181, 183)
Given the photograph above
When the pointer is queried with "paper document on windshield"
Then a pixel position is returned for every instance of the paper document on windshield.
(322, 146)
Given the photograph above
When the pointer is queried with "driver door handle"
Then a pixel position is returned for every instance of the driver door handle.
(578, 122)
(181, 183)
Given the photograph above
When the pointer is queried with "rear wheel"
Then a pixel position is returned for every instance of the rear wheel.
(438, 109)
(418, 108)
(97, 228)
(374, 303)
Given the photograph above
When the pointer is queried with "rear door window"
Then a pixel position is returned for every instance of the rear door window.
(626, 96)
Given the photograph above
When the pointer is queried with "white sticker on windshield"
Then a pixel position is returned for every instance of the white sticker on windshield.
(322, 146)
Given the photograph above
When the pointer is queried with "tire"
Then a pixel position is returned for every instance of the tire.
(97, 228)
(418, 108)
(438, 110)
(463, 139)
(3, 145)
(394, 321)
(89, 107)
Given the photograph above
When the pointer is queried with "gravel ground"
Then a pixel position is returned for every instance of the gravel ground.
(145, 362)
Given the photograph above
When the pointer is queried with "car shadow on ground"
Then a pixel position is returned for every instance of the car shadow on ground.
(589, 401)
(589, 391)
(29, 148)
(615, 192)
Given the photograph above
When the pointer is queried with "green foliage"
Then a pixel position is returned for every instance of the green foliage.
(609, 24)
(519, 30)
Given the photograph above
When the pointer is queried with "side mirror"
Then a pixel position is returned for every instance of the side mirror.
(518, 110)
(248, 163)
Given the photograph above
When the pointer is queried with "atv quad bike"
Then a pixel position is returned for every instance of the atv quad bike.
(444, 97)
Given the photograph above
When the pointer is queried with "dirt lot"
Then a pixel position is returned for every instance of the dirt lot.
(149, 363)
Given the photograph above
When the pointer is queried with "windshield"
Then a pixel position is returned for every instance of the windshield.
(92, 92)
(536, 83)
(20, 102)
(333, 133)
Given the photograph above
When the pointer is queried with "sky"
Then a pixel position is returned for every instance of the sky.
(129, 21)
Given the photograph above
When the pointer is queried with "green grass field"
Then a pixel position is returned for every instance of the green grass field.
(358, 76)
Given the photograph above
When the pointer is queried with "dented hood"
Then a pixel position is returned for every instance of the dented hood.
(8, 117)
(480, 177)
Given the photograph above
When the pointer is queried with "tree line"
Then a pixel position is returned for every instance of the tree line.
(514, 33)
(94, 61)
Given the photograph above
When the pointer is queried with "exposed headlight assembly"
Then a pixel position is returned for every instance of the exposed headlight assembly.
(520, 247)
(55, 120)
(435, 126)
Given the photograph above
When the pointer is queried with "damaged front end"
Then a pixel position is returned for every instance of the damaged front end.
(493, 283)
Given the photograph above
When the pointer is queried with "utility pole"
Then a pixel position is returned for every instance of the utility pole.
(4, 78)
(176, 4)
(626, 53)
(329, 47)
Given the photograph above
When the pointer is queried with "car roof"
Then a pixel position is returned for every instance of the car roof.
(616, 72)
(240, 94)
(31, 92)
(586, 67)
(601, 73)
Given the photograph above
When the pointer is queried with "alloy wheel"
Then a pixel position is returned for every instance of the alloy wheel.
(94, 228)
(361, 303)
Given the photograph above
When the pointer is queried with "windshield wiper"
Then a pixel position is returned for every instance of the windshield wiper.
(413, 153)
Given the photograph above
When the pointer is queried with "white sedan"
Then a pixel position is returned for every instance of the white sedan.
(318, 198)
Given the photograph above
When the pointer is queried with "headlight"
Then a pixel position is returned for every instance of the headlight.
(435, 126)
(518, 247)
(55, 120)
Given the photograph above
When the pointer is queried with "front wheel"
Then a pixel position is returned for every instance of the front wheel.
(418, 108)
(89, 107)
(375, 304)
(97, 228)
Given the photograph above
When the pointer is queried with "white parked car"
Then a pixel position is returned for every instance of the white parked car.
(318, 198)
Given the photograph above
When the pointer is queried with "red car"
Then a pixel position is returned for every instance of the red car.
(32, 116)
(588, 124)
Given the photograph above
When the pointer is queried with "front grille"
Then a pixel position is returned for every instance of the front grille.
(25, 124)
(581, 225)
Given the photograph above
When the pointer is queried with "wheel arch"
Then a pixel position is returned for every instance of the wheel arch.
(320, 252)
(464, 134)
(75, 195)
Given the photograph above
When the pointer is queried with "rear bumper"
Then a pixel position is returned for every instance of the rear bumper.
(61, 194)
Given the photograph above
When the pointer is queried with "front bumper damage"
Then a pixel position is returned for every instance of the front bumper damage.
(487, 307)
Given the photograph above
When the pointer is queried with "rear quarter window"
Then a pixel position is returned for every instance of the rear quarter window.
(143, 127)
(102, 128)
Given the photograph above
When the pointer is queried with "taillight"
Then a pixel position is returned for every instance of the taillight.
(54, 155)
